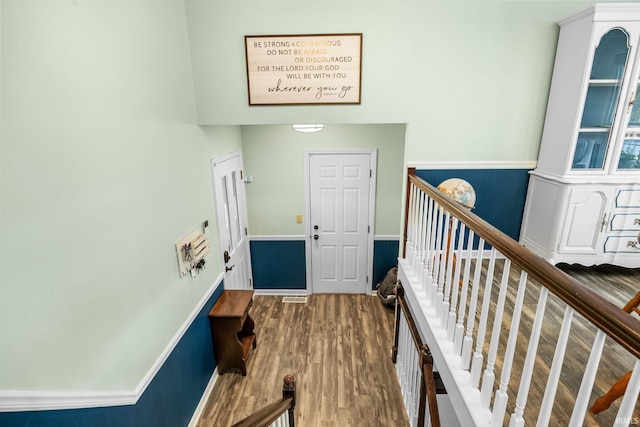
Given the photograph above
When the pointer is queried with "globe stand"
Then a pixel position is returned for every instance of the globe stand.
(463, 193)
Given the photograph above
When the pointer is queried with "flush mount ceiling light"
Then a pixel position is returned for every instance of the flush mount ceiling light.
(310, 128)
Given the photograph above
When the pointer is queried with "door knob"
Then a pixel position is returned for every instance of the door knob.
(228, 269)
(316, 237)
(315, 227)
(226, 257)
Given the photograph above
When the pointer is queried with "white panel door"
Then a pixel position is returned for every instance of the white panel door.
(339, 197)
(232, 221)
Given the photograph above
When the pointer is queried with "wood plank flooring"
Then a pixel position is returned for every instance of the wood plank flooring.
(338, 347)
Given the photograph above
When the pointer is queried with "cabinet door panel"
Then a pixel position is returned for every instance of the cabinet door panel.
(584, 221)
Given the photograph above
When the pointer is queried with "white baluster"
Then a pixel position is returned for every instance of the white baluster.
(426, 267)
(478, 359)
(417, 258)
(415, 222)
(433, 259)
(416, 388)
(410, 375)
(582, 399)
(467, 344)
(556, 367)
(436, 252)
(406, 359)
(500, 401)
(401, 351)
(403, 372)
(453, 226)
(489, 375)
(517, 419)
(459, 334)
(625, 413)
(442, 264)
(451, 321)
(411, 234)
(423, 239)
(408, 365)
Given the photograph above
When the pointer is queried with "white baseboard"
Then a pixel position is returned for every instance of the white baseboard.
(281, 292)
(203, 400)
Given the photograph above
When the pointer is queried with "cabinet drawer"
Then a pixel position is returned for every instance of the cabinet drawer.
(628, 198)
(622, 244)
(625, 221)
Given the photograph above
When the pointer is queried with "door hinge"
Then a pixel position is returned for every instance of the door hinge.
(370, 173)
(368, 229)
(245, 231)
(241, 177)
(367, 279)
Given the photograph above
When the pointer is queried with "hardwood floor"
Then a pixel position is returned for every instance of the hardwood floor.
(338, 347)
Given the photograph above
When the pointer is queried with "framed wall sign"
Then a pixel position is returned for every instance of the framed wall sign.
(304, 69)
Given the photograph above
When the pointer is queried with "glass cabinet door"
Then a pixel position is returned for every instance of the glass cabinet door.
(607, 72)
(630, 154)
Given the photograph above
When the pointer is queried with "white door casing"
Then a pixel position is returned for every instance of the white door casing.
(232, 220)
(340, 202)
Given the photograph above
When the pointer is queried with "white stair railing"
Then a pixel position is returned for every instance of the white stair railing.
(491, 313)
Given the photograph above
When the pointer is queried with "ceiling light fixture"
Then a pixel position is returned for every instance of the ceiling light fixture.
(309, 128)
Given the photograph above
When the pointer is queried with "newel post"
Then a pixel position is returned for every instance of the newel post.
(410, 172)
(289, 390)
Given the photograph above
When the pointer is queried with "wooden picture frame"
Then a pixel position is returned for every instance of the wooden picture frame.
(304, 69)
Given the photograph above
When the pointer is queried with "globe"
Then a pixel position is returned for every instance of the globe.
(459, 190)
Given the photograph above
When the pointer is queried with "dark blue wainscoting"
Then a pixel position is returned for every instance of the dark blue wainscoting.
(385, 256)
(278, 264)
(500, 194)
(169, 400)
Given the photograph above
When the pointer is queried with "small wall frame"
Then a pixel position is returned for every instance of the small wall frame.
(191, 249)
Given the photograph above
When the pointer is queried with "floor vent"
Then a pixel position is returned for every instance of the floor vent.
(298, 300)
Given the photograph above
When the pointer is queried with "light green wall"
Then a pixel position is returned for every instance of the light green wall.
(101, 170)
(274, 156)
(470, 78)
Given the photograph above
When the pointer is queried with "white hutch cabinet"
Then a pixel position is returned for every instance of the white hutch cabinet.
(583, 201)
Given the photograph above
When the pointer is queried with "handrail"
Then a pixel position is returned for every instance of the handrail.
(269, 414)
(612, 320)
(427, 385)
